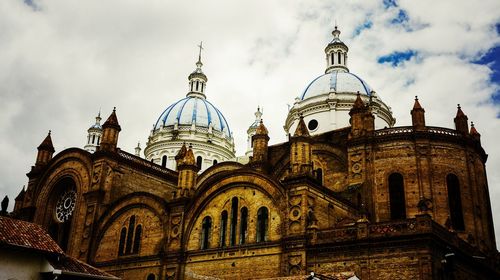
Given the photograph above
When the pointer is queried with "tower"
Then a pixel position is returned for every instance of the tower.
(418, 115)
(94, 135)
(111, 129)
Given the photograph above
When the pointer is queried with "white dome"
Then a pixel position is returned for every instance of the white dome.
(195, 110)
(336, 81)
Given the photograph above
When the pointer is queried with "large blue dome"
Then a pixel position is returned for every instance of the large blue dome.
(193, 109)
(336, 81)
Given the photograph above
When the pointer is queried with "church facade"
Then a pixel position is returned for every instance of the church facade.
(347, 193)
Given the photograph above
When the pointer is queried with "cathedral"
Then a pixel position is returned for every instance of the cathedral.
(348, 193)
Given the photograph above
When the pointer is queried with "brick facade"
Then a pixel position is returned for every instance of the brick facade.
(322, 203)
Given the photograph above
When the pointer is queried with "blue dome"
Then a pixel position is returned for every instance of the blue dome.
(191, 110)
(336, 81)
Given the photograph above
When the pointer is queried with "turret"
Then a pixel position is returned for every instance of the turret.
(418, 115)
(111, 129)
(45, 151)
(461, 121)
(300, 150)
(260, 144)
(94, 135)
(187, 168)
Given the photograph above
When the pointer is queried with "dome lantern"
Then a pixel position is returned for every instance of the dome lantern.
(197, 79)
(336, 54)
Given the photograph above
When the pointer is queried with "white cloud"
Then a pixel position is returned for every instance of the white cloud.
(63, 61)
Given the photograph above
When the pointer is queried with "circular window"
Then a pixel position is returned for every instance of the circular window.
(312, 125)
(65, 206)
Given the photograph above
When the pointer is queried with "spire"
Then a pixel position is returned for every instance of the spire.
(111, 129)
(336, 54)
(358, 105)
(45, 151)
(182, 152)
(197, 79)
(138, 149)
(418, 115)
(258, 114)
(301, 129)
(416, 105)
(461, 121)
(112, 121)
(473, 132)
(261, 129)
(46, 144)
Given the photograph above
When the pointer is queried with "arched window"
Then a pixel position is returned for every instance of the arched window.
(319, 176)
(98, 140)
(151, 276)
(397, 196)
(202, 84)
(93, 139)
(197, 84)
(121, 246)
(199, 161)
(215, 162)
(206, 225)
(339, 56)
(130, 238)
(223, 228)
(88, 139)
(262, 224)
(455, 202)
(331, 58)
(234, 221)
(137, 239)
(191, 86)
(164, 161)
(243, 225)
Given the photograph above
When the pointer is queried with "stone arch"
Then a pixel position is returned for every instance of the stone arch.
(139, 204)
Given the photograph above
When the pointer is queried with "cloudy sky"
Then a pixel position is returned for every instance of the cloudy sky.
(61, 61)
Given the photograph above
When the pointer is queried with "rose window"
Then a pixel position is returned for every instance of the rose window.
(65, 206)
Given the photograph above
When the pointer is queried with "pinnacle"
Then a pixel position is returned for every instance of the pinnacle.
(47, 144)
(112, 121)
(301, 128)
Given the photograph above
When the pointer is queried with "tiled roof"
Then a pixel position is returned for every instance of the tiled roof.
(28, 235)
(31, 236)
(69, 265)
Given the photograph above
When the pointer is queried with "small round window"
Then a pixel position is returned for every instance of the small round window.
(312, 125)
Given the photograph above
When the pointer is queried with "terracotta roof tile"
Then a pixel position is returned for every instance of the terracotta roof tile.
(72, 265)
(28, 235)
